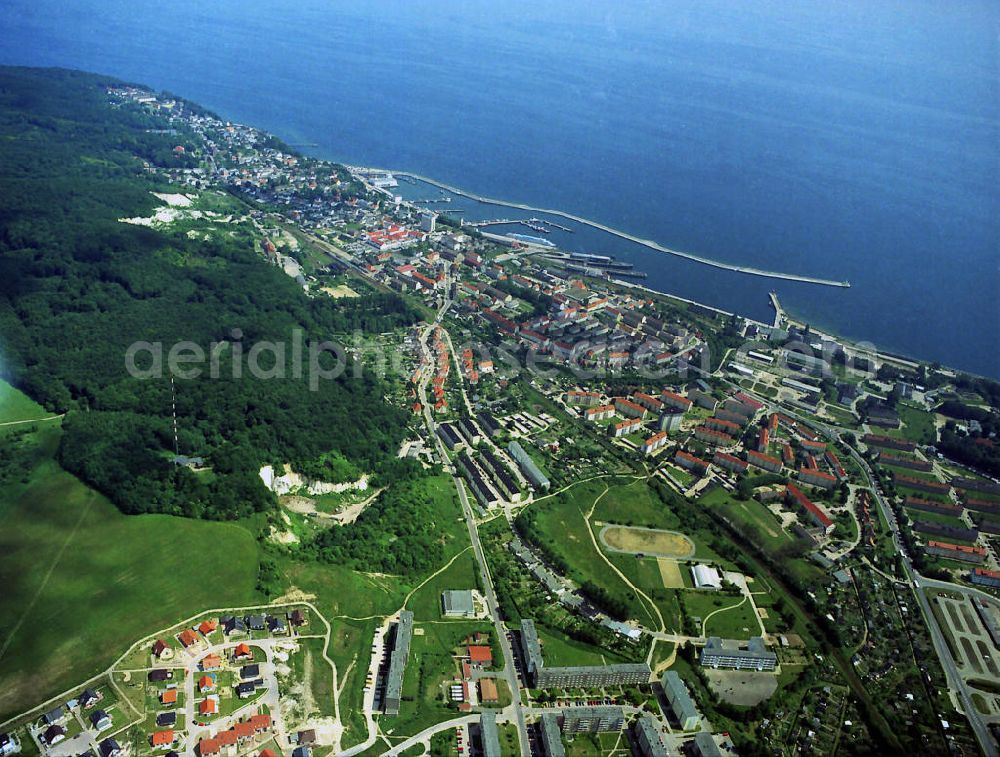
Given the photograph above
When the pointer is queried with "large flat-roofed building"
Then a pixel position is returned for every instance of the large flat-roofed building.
(457, 604)
(621, 674)
(531, 649)
(705, 746)
(956, 551)
(982, 577)
(670, 419)
(592, 719)
(542, 677)
(489, 735)
(680, 701)
(551, 736)
(753, 655)
(397, 663)
(647, 738)
(706, 577)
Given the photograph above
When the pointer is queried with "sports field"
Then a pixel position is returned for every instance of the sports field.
(647, 541)
(670, 573)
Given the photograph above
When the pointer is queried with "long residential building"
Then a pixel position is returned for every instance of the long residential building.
(730, 462)
(896, 461)
(599, 413)
(501, 477)
(483, 490)
(672, 399)
(625, 427)
(647, 738)
(551, 735)
(629, 409)
(983, 577)
(701, 399)
(931, 487)
(647, 401)
(951, 532)
(931, 506)
(982, 506)
(766, 462)
(705, 746)
(449, 435)
(888, 442)
(488, 733)
(956, 551)
(734, 417)
(811, 510)
(679, 699)
(397, 663)
(690, 462)
(589, 676)
(816, 477)
(718, 424)
(587, 399)
(976, 485)
(752, 655)
(655, 442)
(592, 719)
(834, 462)
(528, 467)
(709, 436)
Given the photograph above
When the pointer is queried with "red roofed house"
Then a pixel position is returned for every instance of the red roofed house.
(188, 637)
(162, 738)
(242, 650)
(480, 654)
(206, 683)
(207, 747)
(168, 696)
(261, 722)
(208, 707)
(211, 662)
(208, 626)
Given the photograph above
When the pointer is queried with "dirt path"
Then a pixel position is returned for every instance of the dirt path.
(705, 620)
(33, 420)
(593, 540)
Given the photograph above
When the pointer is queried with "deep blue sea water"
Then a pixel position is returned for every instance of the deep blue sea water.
(854, 140)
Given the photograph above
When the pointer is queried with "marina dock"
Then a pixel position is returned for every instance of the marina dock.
(632, 238)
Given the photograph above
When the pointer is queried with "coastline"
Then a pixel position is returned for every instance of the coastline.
(895, 358)
(648, 243)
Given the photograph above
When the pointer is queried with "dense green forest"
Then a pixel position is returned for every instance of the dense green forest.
(77, 287)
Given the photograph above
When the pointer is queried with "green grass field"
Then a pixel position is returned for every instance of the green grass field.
(559, 649)
(918, 425)
(16, 406)
(350, 651)
(426, 601)
(563, 525)
(82, 582)
(634, 504)
(750, 513)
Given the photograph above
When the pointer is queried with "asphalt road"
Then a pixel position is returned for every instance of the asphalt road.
(477, 547)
